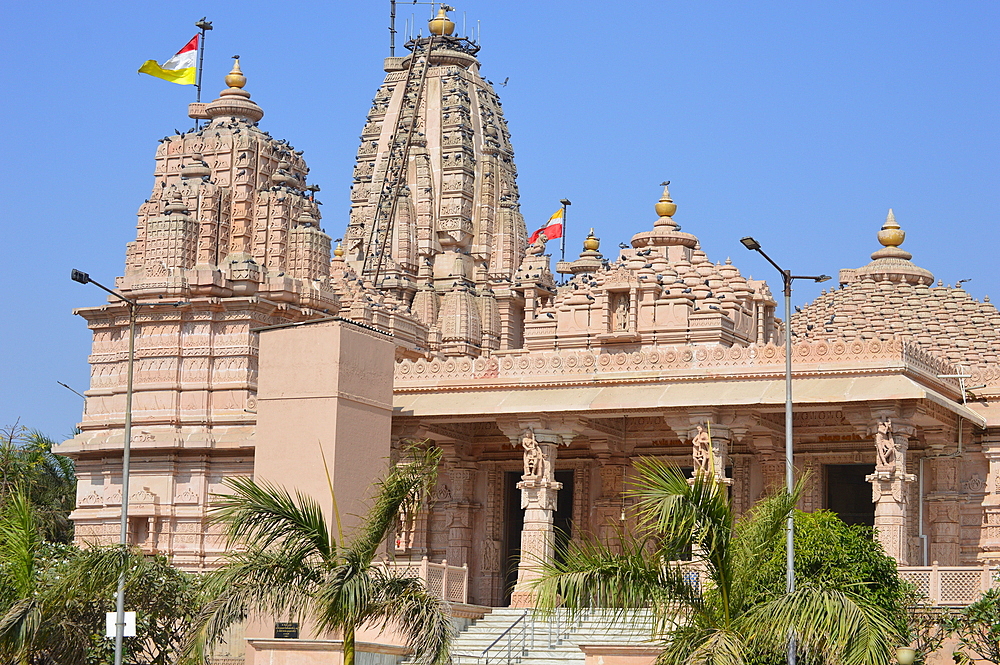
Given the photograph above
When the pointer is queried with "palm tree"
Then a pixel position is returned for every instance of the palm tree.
(290, 563)
(27, 463)
(719, 617)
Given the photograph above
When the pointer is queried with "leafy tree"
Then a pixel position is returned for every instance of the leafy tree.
(839, 556)
(53, 598)
(929, 626)
(291, 563)
(724, 619)
(978, 626)
(28, 463)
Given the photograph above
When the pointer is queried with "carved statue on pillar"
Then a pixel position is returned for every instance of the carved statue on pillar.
(702, 452)
(889, 487)
(709, 453)
(885, 445)
(538, 498)
(534, 459)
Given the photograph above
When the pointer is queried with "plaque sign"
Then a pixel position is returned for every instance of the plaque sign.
(286, 630)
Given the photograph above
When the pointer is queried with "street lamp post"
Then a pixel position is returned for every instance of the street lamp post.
(84, 278)
(787, 278)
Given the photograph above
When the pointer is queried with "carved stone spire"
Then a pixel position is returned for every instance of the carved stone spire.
(437, 129)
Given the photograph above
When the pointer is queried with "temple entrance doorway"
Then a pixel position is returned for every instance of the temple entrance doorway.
(848, 493)
(514, 522)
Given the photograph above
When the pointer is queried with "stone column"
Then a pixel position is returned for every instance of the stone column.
(460, 514)
(538, 498)
(609, 509)
(990, 539)
(889, 487)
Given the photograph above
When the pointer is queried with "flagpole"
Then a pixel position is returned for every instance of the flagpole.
(204, 26)
(562, 245)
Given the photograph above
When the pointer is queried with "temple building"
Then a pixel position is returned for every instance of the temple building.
(263, 347)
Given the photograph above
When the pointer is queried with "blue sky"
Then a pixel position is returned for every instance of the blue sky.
(799, 123)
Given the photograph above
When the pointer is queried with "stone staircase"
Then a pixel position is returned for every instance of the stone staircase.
(509, 635)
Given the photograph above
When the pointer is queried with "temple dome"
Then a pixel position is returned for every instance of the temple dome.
(892, 297)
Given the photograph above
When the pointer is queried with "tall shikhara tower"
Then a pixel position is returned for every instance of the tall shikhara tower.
(233, 232)
(435, 220)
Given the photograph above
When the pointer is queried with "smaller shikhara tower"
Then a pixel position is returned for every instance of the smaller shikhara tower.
(435, 222)
(232, 232)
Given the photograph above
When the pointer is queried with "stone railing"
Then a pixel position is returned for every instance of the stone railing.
(951, 586)
(651, 363)
(448, 582)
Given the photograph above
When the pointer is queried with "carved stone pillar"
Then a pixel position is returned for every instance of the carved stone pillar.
(889, 487)
(539, 490)
(609, 509)
(943, 508)
(460, 514)
(990, 543)
(946, 540)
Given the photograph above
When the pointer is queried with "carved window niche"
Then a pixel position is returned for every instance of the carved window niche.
(620, 327)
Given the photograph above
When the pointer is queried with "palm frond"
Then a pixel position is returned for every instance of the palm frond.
(424, 618)
(588, 574)
(267, 515)
(251, 582)
(719, 647)
(20, 543)
(689, 515)
(402, 489)
(756, 536)
(833, 625)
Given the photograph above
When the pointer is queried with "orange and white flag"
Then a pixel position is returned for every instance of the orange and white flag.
(552, 229)
(180, 69)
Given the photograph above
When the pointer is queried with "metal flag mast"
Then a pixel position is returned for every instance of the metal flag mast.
(204, 26)
(562, 244)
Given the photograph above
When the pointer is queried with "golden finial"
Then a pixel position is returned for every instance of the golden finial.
(891, 234)
(235, 78)
(666, 206)
(441, 24)
(591, 243)
(339, 252)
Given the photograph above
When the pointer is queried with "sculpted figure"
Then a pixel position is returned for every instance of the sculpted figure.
(537, 248)
(621, 313)
(702, 444)
(534, 459)
(885, 445)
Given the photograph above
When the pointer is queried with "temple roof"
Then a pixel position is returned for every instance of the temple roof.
(893, 297)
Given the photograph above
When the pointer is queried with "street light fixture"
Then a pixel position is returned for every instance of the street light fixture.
(787, 278)
(84, 278)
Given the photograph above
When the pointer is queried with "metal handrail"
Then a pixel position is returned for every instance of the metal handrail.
(484, 657)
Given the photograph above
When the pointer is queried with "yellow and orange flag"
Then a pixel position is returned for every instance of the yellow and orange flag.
(180, 69)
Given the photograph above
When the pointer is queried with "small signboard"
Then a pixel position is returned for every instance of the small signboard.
(109, 624)
(288, 630)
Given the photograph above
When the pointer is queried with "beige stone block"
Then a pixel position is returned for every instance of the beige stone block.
(325, 387)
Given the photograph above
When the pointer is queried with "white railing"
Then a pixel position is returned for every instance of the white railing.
(953, 586)
(444, 581)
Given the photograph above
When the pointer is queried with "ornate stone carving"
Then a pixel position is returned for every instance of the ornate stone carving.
(885, 445)
(536, 466)
(889, 488)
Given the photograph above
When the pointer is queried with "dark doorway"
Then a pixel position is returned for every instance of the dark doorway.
(848, 493)
(562, 520)
(514, 522)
